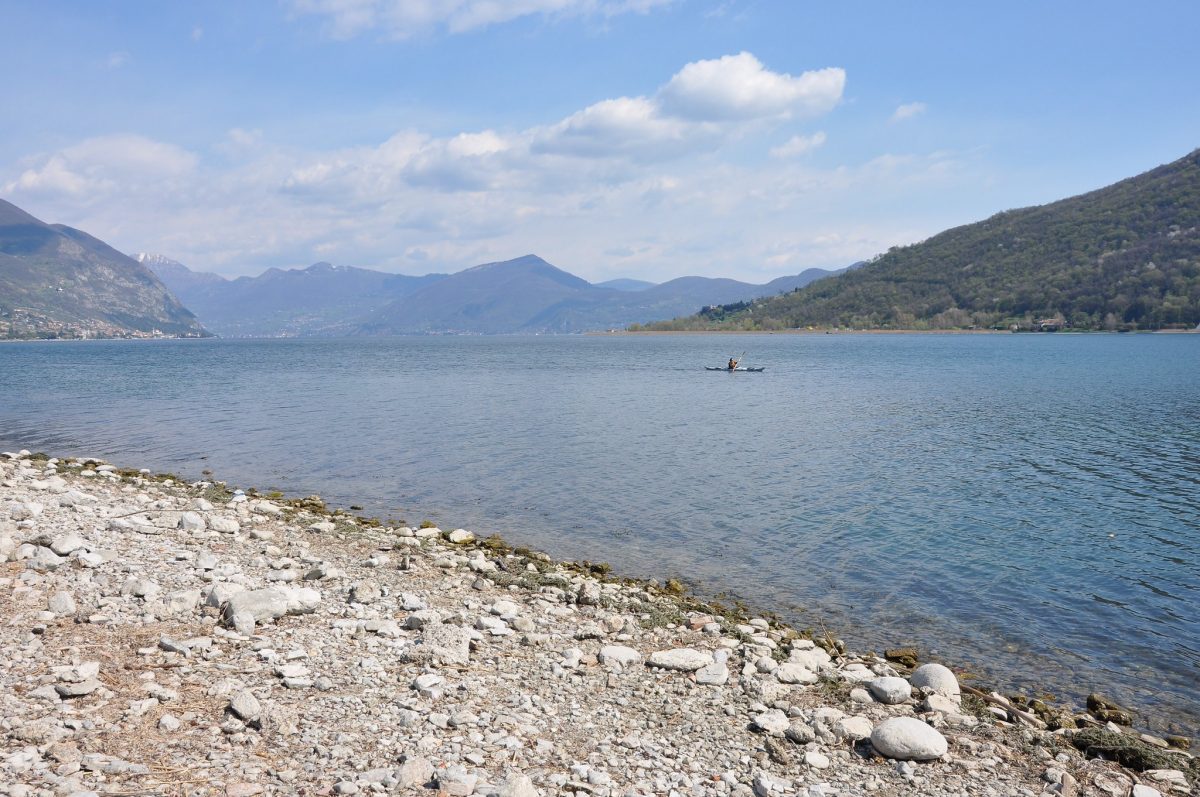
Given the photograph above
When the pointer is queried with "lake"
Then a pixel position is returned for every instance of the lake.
(1026, 506)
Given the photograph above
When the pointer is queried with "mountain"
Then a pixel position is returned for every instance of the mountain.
(530, 295)
(175, 275)
(487, 299)
(56, 281)
(603, 310)
(319, 300)
(624, 285)
(1122, 257)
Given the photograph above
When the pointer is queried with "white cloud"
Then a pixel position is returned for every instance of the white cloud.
(402, 19)
(908, 111)
(740, 87)
(105, 163)
(117, 60)
(798, 145)
(624, 175)
(197, 33)
(623, 126)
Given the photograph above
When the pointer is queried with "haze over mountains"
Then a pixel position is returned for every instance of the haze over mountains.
(56, 281)
(523, 295)
(1126, 256)
(1122, 257)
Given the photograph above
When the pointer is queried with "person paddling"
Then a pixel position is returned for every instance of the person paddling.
(732, 364)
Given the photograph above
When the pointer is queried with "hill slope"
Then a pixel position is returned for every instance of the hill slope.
(56, 281)
(1124, 256)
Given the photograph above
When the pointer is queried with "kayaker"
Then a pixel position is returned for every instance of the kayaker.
(732, 364)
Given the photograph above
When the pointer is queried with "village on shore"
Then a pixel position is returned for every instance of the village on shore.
(169, 638)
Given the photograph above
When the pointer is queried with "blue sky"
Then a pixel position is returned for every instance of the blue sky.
(615, 138)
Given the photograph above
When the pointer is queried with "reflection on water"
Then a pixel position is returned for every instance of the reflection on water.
(1025, 504)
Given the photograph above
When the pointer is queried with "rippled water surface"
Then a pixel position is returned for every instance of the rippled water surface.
(1025, 505)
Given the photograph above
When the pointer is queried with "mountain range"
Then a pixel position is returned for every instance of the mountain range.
(1122, 257)
(1126, 256)
(56, 281)
(322, 299)
(523, 295)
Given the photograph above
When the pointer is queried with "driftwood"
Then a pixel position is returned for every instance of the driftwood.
(1036, 722)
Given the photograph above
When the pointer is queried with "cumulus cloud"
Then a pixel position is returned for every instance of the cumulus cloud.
(740, 87)
(623, 126)
(907, 111)
(101, 164)
(798, 145)
(402, 19)
(701, 106)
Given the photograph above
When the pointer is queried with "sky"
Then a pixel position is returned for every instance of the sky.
(647, 139)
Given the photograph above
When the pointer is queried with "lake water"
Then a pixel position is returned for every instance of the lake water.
(1027, 506)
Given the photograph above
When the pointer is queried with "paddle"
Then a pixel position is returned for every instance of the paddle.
(738, 361)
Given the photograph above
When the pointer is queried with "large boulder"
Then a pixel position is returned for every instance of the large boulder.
(908, 739)
(937, 678)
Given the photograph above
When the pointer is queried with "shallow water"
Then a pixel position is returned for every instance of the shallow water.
(1025, 505)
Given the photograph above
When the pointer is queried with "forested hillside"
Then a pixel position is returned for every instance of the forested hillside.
(1122, 257)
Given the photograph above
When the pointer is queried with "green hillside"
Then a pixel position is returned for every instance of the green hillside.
(1123, 257)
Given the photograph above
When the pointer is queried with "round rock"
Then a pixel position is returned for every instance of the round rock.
(908, 739)
(936, 677)
(891, 691)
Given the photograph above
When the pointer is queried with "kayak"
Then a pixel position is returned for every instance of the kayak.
(718, 368)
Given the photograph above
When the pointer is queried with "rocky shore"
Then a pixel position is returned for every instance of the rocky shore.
(161, 637)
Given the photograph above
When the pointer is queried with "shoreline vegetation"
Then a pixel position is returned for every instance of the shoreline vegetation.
(177, 636)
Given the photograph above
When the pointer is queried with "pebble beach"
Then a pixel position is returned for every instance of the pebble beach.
(176, 638)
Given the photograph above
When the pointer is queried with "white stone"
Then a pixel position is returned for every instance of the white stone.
(192, 521)
(260, 604)
(67, 544)
(505, 609)
(245, 705)
(936, 702)
(854, 728)
(682, 659)
(815, 759)
(61, 603)
(460, 537)
(908, 739)
(518, 786)
(224, 525)
(792, 673)
(891, 691)
(937, 677)
(772, 721)
(414, 773)
(715, 674)
(619, 655)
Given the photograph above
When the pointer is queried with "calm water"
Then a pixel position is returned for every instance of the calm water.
(1028, 505)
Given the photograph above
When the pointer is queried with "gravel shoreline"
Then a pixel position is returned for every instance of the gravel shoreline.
(169, 638)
